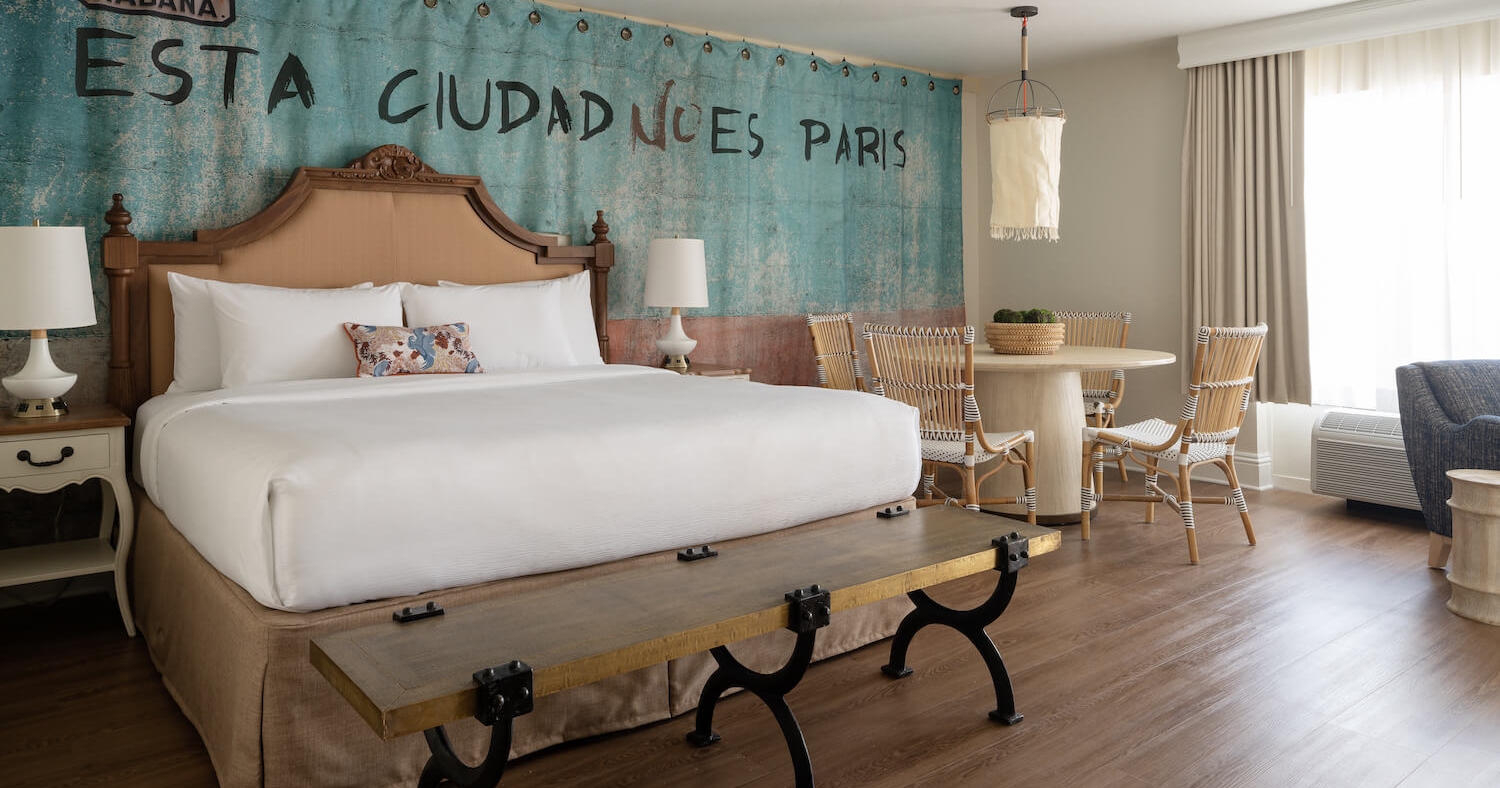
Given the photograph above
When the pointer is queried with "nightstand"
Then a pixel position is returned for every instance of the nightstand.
(42, 455)
(718, 371)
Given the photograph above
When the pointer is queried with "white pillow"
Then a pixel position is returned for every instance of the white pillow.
(509, 327)
(195, 348)
(274, 333)
(577, 312)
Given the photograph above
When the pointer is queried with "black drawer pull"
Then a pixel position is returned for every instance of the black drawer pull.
(25, 456)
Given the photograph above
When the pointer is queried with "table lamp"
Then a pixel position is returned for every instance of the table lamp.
(44, 283)
(676, 277)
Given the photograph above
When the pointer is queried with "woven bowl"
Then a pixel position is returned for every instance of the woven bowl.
(1025, 339)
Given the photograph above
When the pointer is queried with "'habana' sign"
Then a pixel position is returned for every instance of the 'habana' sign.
(202, 12)
(815, 185)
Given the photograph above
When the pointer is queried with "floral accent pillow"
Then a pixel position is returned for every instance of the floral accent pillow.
(398, 350)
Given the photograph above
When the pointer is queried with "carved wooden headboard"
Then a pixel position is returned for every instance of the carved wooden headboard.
(384, 217)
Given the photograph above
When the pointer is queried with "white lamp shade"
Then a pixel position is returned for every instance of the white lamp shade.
(44, 278)
(676, 273)
(1025, 167)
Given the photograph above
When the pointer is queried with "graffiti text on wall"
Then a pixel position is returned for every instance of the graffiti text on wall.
(504, 106)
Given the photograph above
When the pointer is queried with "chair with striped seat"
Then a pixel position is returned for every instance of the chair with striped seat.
(932, 369)
(1218, 396)
(1103, 390)
(833, 349)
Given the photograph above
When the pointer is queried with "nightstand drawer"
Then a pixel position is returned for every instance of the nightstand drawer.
(87, 451)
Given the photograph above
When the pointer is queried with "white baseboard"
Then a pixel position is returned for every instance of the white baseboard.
(1254, 471)
(1293, 483)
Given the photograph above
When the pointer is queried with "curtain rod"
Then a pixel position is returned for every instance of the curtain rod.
(830, 56)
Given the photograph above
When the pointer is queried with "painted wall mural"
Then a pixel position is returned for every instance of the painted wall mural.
(816, 186)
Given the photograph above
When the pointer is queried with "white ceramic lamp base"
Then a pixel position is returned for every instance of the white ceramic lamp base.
(40, 384)
(675, 344)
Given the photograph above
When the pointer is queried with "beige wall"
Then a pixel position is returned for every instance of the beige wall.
(1120, 220)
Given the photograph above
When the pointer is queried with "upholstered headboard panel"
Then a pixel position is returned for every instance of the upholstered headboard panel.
(385, 218)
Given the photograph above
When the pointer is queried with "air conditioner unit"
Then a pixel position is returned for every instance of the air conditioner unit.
(1362, 457)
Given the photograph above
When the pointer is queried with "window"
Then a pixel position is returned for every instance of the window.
(1402, 189)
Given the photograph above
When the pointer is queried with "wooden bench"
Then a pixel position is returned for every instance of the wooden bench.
(493, 660)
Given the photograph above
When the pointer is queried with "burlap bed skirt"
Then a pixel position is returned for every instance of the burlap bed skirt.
(240, 671)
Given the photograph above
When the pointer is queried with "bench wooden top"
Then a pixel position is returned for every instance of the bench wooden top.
(405, 678)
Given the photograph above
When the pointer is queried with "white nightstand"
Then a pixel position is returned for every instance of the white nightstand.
(42, 455)
(717, 371)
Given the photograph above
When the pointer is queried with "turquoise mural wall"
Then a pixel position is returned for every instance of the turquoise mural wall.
(815, 185)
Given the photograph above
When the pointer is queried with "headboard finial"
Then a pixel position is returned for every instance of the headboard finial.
(117, 217)
(600, 228)
(392, 162)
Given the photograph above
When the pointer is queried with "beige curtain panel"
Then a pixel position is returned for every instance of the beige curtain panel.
(1244, 255)
(1025, 165)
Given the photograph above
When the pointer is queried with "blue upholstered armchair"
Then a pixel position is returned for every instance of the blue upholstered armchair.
(1450, 418)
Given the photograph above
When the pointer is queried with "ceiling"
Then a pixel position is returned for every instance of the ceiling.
(969, 38)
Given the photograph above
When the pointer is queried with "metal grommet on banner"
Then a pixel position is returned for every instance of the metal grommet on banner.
(846, 70)
(708, 46)
(931, 85)
(625, 34)
(875, 77)
(903, 82)
(534, 17)
(483, 9)
(955, 90)
(745, 54)
(583, 26)
(430, 3)
(781, 60)
(666, 40)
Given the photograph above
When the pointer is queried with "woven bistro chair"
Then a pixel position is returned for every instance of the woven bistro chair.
(1103, 390)
(834, 349)
(932, 369)
(1218, 396)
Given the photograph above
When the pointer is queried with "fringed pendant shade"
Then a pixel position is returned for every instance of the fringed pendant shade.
(1025, 153)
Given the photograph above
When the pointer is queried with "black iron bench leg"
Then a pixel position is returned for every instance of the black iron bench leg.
(809, 612)
(1012, 556)
(504, 694)
(444, 765)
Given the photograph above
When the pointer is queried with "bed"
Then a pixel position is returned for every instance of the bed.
(230, 581)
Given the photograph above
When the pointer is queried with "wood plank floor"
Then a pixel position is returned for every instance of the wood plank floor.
(1322, 657)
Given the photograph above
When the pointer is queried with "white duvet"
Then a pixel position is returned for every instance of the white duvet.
(313, 494)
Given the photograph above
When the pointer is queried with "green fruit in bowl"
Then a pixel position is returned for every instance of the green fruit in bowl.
(1028, 316)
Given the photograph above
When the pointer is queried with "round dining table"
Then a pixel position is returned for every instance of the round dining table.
(1045, 394)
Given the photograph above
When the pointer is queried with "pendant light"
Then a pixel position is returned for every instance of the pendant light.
(1025, 152)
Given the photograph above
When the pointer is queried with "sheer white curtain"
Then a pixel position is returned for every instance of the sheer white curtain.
(1402, 191)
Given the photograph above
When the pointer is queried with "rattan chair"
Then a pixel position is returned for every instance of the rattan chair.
(1218, 396)
(1103, 390)
(932, 369)
(834, 349)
